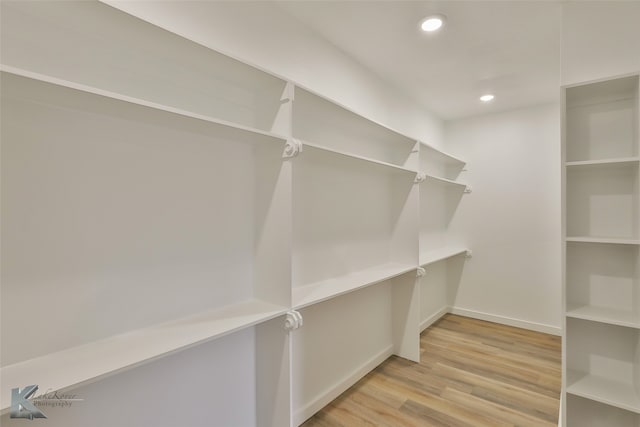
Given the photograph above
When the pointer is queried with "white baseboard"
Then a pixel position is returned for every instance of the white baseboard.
(434, 318)
(518, 323)
(301, 415)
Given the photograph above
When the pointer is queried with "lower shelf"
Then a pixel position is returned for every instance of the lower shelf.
(78, 365)
(604, 315)
(326, 289)
(614, 393)
(583, 412)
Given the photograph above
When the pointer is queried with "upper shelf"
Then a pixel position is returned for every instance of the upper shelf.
(95, 45)
(78, 365)
(604, 163)
(326, 124)
(440, 254)
(608, 240)
(32, 85)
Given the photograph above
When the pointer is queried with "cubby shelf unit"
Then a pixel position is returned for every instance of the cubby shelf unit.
(172, 207)
(601, 191)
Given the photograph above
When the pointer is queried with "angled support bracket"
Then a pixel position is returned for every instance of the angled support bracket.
(292, 148)
(420, 272)
(293, 320)
(468, 254)
(467, 189)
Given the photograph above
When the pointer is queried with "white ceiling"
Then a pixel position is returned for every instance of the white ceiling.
(508, 48)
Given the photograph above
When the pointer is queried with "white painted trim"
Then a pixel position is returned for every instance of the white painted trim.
(518, 323)
(306, 412)
(434, 318)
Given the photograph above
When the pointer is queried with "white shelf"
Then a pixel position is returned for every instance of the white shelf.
(218, 123)
(445, 157)
(436, 255)
(614, 393)
(326, 289)
(608, 240)
(604, 315)
(605, 163)
(333, 127)
(89, 362)
(446, 181)
(356, 157)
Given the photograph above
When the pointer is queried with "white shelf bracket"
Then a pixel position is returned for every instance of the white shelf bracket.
(293, 321)
(288, 94)
(467, 189)
(292, 148)
(420, 272)
(416, 147)
(420, 177)
(468, 254)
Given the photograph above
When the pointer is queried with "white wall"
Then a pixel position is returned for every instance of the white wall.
(599, 39)
(512, 219)
(264, 35)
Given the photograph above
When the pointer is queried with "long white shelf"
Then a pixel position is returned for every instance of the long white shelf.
(605, 163)
(440, 254)
(610, 240)
(614, 393)
(230, 126)
(326, 289)
(356, 156)
(92, 361)
(446, 181)
(604, 315)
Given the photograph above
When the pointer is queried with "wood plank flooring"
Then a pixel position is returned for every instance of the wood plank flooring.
(471, 373)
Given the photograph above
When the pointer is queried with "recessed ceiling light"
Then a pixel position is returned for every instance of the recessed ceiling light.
(432, 23)
(486, 98)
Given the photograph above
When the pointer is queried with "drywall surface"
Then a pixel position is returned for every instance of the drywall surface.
(264, 35)
(512, 219)
(599, 39)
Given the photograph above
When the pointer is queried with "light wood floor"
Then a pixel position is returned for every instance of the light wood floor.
(471, 373)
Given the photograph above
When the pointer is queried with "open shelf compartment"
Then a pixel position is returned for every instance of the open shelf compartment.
(602, 120)
(439, 164)
(373, 323)
(603, 283)
(603, 202)
(583, 412)
(325, 124)
(438, 204)
(93, 44)
(355, 224)
(111, 204)
(603, 363)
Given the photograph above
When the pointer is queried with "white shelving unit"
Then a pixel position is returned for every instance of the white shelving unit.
(602, 253)
(171, 207)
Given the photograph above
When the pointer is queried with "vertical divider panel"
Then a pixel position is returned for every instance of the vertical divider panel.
(405, 199)
(405, 313)
(273, 204)
(273, 370)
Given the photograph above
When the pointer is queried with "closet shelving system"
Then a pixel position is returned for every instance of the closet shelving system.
(179, 220)
(602, 259)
